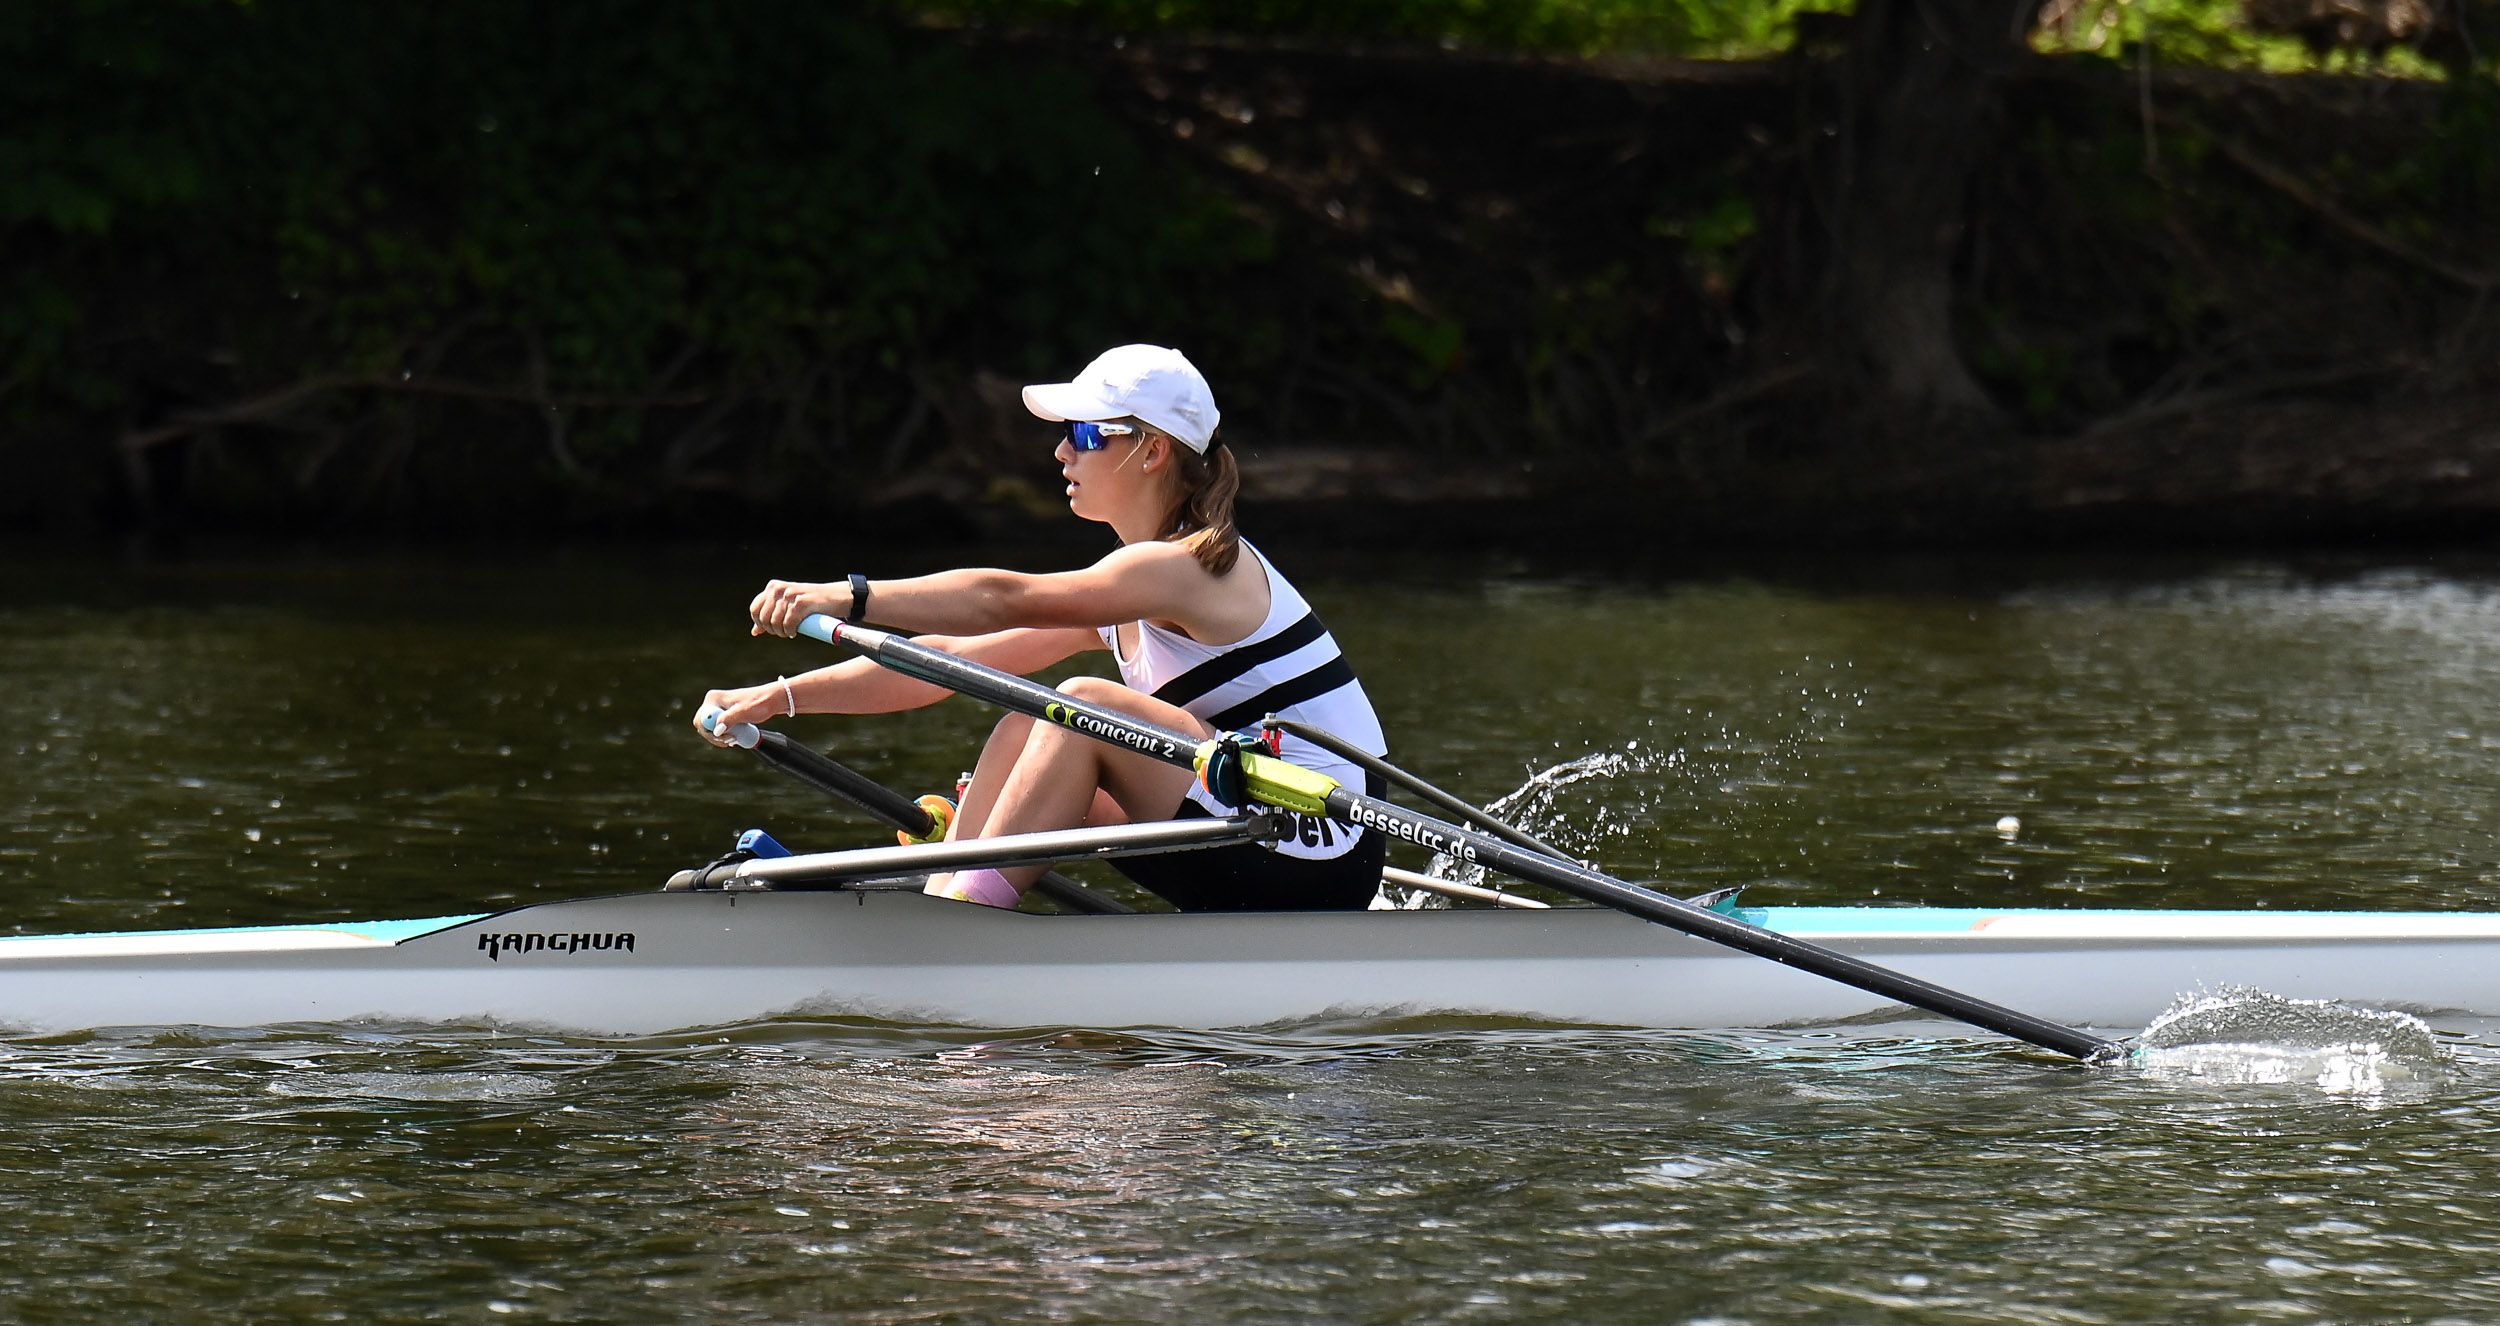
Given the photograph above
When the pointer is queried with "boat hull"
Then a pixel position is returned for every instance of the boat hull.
(641, 964)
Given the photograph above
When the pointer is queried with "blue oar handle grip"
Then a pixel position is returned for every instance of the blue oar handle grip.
(742, 733)
(818, 626)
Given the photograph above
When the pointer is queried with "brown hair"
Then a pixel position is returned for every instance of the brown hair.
(1203, 521)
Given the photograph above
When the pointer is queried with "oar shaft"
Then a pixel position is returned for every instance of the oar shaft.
(835, 778)
(1579, 881)
(1160, 743)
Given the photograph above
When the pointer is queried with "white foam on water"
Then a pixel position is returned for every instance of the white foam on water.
(2241, 1035)
(413, 1086)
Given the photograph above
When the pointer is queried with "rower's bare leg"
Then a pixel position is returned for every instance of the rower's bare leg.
(999, 756)
(1062, 779)
(972, 809)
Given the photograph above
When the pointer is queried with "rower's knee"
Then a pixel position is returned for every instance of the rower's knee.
(1103, 693)
(1099, 690)
(1012, 734)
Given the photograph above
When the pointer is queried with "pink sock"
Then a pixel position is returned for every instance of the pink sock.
(986, 887)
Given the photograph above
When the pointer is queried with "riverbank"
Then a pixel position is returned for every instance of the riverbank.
(1447, 297)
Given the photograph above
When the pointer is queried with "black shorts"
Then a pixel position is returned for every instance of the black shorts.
(1249, 877)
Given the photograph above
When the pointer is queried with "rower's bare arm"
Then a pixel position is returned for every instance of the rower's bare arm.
(858, 686)
(1137, 581)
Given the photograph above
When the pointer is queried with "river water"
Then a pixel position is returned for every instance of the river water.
(302, 736)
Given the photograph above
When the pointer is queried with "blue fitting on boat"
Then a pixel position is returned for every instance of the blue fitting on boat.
(757, 843)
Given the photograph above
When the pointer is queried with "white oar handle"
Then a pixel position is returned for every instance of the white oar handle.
(818, 626)
(742, 733)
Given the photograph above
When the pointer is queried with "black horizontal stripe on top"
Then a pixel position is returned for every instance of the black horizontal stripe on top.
(1286, 694)
(1224, 667)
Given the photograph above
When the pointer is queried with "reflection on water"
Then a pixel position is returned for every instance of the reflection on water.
(291, 739)
(885, 1173)
(1032, 1180)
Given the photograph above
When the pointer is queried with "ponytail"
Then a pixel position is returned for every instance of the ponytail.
(1203, 522)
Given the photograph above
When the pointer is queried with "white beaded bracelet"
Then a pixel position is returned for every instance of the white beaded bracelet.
(790, 698)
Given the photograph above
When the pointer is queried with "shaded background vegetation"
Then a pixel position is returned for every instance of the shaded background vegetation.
(1952, 269)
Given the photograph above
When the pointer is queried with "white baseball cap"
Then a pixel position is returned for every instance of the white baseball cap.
(1145, 382)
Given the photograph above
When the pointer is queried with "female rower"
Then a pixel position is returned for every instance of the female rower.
(1208, 636)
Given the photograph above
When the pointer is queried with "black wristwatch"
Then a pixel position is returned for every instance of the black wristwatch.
(859, 598)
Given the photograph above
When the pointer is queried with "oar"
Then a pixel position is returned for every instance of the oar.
(896, 811)
(1273, 782)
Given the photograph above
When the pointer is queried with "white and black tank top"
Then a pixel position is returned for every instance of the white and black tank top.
(1291, 667)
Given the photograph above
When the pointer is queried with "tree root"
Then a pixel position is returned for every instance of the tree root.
(2299, 191)
(269, 405)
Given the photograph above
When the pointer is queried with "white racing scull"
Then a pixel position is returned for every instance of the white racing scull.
(647, 963)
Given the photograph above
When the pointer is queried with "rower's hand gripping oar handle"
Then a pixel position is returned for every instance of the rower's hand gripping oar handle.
(745, 734)
(1274, 782)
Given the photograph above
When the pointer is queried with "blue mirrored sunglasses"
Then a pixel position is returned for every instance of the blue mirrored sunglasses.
(1086, 435)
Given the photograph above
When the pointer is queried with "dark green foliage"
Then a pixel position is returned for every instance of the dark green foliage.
(2266, 239)
(558, 205)
(305, 261)
(1583, 26)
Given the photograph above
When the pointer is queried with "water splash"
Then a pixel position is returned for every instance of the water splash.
(1708, 770)
(2243, 1035)
(1534, 806)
